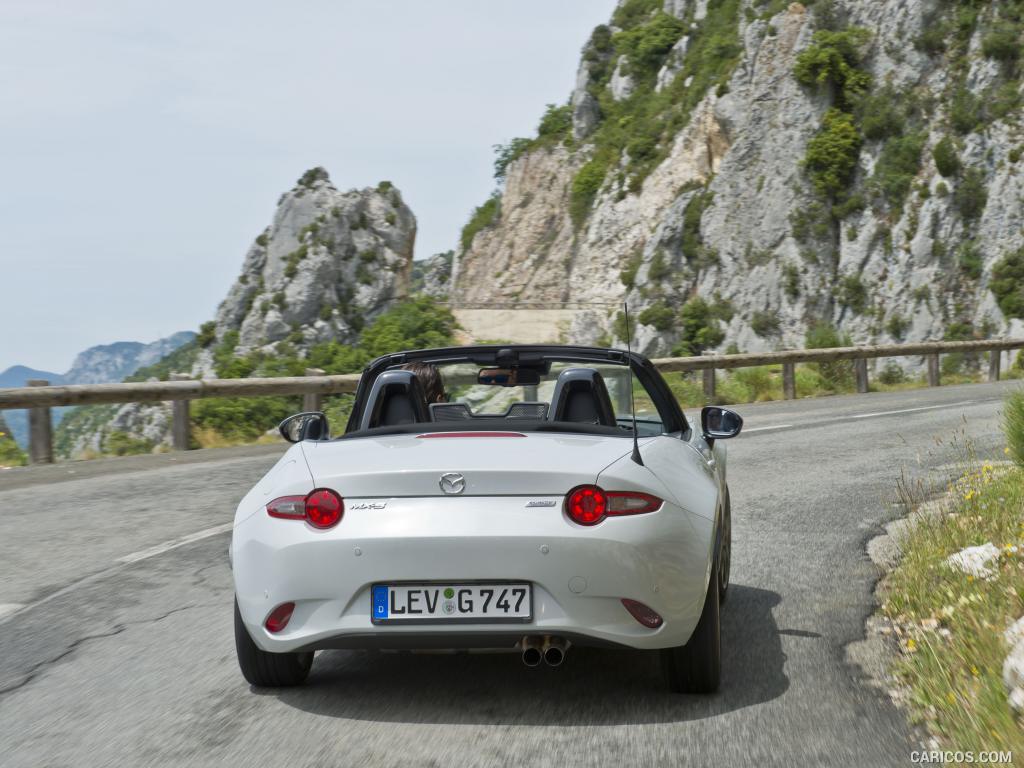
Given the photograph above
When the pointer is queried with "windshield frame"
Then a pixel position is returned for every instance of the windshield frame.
(505, 355)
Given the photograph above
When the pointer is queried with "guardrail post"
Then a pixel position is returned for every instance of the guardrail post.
(789, 381)
(933, 370)
(313, 401)
(860, 368)
(709, 384)
(40, 430)
(180, 431)
(993, 364)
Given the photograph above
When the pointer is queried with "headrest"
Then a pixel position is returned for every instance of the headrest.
(395, 398)
(581, 396)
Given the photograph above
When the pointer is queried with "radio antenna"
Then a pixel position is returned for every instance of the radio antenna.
(632, 399)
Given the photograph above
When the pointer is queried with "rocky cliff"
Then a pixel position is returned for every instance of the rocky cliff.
(741, 170)
(329, 262)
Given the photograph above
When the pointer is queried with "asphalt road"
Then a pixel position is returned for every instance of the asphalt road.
(116, 643)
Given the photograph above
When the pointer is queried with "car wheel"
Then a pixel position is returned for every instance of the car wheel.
(268, 670)
(725, 550)
(696, 667)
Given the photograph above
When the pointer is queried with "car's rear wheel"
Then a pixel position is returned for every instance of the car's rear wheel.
(697, 666)
(268, 670)
(725, 550)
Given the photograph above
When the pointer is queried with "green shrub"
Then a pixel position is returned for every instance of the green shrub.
(836, 376)
(646, 45)
(699, 328)
(483, 216)
(659, 315)
(585, 186)
(506, 154)
(242, 418)
(969, 259)
(765, 323)
(852, 293)
(964, 111)
(834, 59)
(947, 161)
(628, 274)
(291, 261)
(892, 374)
(262, 240)
(313, 175)
(832, 153)
(881, 114)
(692, 241)
(10, 454)
(207, 334)
(898, 163)
(970, 195)
(1003, 42)
(933, 39)
(384, 187)
(1013, 425)
(897, 326)
(556, 122)
(1007, 283)
(416, 324)
(658, 269)
(791, 281)
(123, 444)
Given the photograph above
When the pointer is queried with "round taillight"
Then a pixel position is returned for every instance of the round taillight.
(324, 508)
(586, 504)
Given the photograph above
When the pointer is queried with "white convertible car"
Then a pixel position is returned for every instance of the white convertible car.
(518, 497)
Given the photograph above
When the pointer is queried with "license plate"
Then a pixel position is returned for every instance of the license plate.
(446, 603)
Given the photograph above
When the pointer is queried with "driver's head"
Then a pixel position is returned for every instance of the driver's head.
(430, 378)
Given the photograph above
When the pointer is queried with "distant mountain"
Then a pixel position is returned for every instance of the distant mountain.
(17, 375)
(97, 365)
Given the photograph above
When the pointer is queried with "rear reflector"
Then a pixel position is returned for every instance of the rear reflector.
(279, 617)
(643, 613)
(472, 434)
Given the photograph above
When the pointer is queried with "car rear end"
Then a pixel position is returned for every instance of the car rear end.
(456, 540)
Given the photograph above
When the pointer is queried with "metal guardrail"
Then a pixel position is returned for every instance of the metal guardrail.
(39, 397)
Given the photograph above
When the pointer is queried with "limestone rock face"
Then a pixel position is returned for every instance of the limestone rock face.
(113, 362)
(729, 214)
(329, 263)
(433, 276)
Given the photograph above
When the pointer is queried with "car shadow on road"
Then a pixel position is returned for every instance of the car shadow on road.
(594, 686)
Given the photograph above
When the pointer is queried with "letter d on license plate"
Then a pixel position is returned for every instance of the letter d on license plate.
(446, 603)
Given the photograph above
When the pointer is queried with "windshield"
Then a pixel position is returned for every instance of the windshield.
(555, 393)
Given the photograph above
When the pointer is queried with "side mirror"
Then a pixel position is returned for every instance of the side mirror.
(305, 426)
(719, 423)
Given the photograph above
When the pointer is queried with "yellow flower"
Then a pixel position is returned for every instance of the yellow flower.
(974, 671)
(1006, 450)
(951, 697)
(2, 434)
(911, 644)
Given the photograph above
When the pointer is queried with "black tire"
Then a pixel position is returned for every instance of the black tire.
(268, 670)
(725, 550)
(697, 666)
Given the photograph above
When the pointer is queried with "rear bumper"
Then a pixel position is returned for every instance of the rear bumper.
(579, 574)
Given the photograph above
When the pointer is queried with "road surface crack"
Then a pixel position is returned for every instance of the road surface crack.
(38, 669)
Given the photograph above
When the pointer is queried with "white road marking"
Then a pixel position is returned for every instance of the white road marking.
(911, 410)
(6, 608)
(762, 429)
(13, 609)
(167, 546)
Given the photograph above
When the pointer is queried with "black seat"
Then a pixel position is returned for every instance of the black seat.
(450, 412)
(395, 398)
(582, 397)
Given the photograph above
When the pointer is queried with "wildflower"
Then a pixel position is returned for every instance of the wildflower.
(974, 670)
(911, 644)
(951, 697)
(1006, 450)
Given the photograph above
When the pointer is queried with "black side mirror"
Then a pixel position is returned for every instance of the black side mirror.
(305, 426)
(719, 423)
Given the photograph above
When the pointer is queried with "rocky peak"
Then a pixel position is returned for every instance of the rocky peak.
(329, 262)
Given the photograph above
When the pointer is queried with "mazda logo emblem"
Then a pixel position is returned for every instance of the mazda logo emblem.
(452, 483)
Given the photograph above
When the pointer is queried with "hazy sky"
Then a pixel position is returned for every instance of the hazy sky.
(144, 144)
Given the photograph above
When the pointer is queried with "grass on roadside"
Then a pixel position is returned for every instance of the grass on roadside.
(950, 624)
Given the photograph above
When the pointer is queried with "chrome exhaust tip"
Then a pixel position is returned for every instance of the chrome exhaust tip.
(555, 649)
(532, 655)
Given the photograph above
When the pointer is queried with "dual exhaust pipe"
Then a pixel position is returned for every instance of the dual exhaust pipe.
(550, 650)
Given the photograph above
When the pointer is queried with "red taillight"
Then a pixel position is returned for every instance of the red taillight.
(279, 617)
(322, 508)
(643, 613)
(589, 505)
(586, 504)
